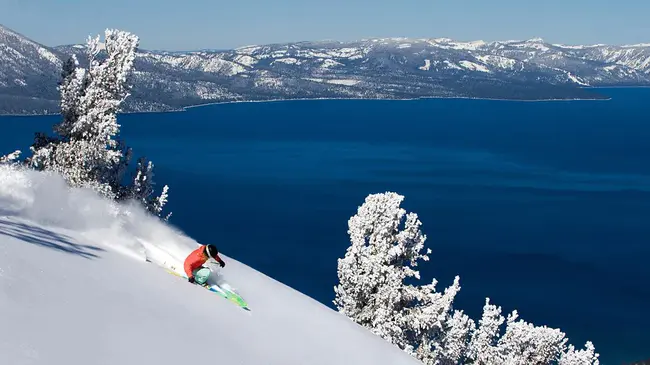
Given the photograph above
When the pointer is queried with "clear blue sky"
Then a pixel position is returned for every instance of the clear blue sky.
(194, 24)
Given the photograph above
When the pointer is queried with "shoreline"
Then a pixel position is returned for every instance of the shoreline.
(185, 108)
(617, 87)
(396, 100)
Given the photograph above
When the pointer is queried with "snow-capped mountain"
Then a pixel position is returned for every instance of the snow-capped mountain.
(373, 68)
(28, 74)
(598, 65)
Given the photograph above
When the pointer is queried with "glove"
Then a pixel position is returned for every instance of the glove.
(191, 279)
(222, 264)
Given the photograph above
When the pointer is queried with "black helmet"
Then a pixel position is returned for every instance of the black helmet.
(211, 250)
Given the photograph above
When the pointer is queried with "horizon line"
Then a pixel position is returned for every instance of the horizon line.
(360, 39)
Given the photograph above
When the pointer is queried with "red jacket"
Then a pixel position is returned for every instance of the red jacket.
(195, 259)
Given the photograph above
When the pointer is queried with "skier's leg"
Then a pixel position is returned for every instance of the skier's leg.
(201, 275)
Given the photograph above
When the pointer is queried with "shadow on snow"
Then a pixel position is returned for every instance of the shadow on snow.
(46, 238)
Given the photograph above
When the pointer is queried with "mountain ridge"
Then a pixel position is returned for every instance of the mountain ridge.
(374, 68)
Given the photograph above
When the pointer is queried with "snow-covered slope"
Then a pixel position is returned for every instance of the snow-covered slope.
(390, 68)
(75, 289)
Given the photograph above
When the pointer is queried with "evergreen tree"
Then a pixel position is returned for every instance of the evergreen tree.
(10, 159)
(142, 188)
(522, 343)
(85, 149)
(372, 275)
(373, 292)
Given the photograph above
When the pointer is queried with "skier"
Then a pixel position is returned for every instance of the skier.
(193, 265)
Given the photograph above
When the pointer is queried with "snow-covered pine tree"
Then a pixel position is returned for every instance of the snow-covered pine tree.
(372, 288)
(11, 158)
(417, 319)
(85, 149)
(451, 343)
(571, 356)
(142, 188)
(482, 346)
(85, 152)
(522, 343)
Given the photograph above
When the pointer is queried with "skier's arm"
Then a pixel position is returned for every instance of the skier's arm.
(220, 261)
(188, 268)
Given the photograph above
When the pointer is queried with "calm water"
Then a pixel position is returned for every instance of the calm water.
(544, 206)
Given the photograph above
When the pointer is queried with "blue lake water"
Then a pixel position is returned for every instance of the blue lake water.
(542, 206)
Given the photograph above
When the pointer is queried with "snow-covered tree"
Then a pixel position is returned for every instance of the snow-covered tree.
(484, 338)
(373, 292)
(372, 288)
(453, 341)
(11, 158)
(142, 188)
(85, 149)
(438, 331)
(522, 343)
(571, 356)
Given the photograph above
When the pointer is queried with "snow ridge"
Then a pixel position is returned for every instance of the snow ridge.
(91, 259)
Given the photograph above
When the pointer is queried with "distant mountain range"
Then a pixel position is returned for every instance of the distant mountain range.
(392, 68)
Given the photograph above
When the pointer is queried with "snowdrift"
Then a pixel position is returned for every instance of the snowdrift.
(75, 288)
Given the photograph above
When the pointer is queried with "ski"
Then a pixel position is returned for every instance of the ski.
(223, 292)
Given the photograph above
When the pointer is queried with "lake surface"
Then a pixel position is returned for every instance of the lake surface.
(542, 206)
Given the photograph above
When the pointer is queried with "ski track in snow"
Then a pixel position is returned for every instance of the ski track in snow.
(75, 289)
